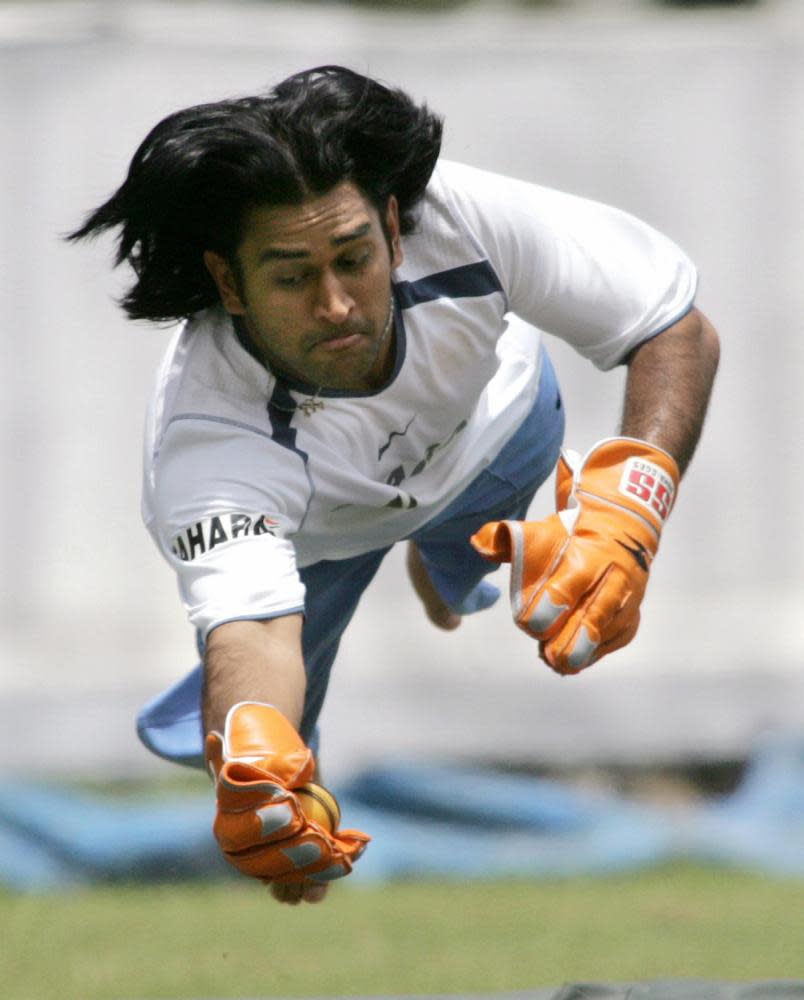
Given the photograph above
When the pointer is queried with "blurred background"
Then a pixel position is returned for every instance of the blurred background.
(686, 114)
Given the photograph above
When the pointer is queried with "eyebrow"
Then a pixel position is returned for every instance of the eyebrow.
(277, 253)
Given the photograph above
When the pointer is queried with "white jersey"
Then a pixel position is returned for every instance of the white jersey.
(249, 477)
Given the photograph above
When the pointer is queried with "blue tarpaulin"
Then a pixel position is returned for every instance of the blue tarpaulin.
(425, 821)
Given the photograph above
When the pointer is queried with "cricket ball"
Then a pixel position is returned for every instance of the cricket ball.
(319, 805)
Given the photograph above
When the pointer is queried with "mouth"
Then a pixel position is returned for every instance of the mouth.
(341, 343)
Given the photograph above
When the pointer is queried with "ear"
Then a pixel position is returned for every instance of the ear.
(223, 276)
(392, 228)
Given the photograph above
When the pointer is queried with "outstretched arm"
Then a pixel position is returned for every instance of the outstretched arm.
(669, 383)
(253, 700)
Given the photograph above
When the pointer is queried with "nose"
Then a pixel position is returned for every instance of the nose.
(333, 301)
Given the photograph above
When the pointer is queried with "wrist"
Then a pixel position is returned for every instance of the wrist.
(635, 474)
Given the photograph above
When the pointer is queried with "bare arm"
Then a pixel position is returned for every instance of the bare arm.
(254, 661)
(669, 382)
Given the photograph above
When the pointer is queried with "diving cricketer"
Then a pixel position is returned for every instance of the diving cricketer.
(360, 363)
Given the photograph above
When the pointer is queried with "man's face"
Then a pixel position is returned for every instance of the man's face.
(313, 286)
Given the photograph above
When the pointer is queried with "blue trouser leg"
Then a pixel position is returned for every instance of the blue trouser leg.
(503, 491)
(332, 592)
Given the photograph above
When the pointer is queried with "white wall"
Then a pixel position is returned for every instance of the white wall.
(691, 120)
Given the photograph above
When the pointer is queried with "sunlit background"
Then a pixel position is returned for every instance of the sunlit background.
(687, 115)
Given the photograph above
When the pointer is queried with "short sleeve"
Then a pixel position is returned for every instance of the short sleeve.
(252, 578)
(227, 535)
(592, 275)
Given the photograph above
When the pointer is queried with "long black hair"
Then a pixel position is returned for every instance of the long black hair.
(198, 172)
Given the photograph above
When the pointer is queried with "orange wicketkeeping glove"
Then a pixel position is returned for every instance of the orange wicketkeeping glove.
(260, 825)
(578, 577)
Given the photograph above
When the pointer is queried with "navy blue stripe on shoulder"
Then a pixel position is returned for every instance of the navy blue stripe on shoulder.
(466, 281)
(281, 410)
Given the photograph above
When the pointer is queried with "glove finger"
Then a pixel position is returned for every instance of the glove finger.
(241, 786)
(253, 809)
(538, 548)
(349, 843)
(565, 477)
(575, 646)
(339, 865)
(294, 855)
(253, 825)
(620, 636)
(352, 843)
(213, 752)
(528, 545)
(311, 855)
(493, 541)
(547, 603)
(345, 848)
(618, 627)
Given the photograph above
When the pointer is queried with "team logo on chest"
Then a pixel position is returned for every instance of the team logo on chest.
(203, 536)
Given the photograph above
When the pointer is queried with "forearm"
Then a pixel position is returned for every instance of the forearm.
(669, 383)
(254, 661)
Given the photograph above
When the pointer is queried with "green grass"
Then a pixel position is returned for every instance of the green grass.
(230, 939)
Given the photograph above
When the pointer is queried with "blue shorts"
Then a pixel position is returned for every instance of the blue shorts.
(170, 725)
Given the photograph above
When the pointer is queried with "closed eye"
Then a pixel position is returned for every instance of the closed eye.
(291, 280)
(352, 262)
(355, 261)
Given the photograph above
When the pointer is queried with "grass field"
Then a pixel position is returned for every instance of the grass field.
(229, 939)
